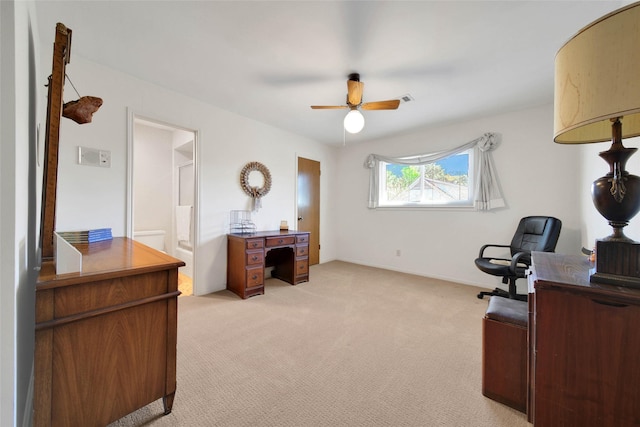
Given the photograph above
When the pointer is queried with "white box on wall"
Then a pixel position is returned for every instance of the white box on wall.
(94, 157)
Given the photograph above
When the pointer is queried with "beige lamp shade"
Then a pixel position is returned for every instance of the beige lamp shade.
(597, 78)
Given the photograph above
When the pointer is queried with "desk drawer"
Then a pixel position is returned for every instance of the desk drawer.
(280, 241)
(302, 238)
(255, 243)
(255, 277)
(89, 296)
(255, 257)
(302, 267)
(302, 250)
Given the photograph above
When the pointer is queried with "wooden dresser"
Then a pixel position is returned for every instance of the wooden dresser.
(586, 347)
(105, 337)
(249, 253)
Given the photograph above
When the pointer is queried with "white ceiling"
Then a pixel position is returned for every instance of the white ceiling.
(271, 60)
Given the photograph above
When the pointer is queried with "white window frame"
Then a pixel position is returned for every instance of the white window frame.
(468, 203)
(486, 188)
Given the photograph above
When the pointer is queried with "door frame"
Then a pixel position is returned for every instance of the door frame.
(132, 116)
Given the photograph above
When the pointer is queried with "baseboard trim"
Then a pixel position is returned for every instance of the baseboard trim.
(399, 270)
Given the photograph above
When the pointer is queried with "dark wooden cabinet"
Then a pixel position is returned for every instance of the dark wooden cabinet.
(586, 340)
(105, 342)
(249, 253)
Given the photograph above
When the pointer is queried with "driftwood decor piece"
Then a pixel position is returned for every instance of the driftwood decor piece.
(81, 111)
(255, 192)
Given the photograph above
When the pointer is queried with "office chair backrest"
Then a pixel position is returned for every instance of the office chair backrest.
(536, 233)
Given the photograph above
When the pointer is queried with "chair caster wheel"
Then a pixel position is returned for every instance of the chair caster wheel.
(479, 296)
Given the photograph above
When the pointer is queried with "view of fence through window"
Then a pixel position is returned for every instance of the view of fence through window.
(443, 182)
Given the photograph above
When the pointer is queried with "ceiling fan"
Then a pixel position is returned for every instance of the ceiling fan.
(354, 120)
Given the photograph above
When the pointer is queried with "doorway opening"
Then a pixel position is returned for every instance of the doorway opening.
(162, 192)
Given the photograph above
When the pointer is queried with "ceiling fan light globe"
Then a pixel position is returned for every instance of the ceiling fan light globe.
(354, 121)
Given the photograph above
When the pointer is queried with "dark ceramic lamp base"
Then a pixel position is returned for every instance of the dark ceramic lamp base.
(617, 198)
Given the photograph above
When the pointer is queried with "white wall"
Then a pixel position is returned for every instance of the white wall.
(153, 179)
(538, 177)
(19, 94)
(91, 197)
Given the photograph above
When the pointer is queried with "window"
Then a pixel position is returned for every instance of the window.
(447, 178)
(447, 182)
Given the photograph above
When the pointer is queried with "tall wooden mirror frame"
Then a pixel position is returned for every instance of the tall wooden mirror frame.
(61, 57)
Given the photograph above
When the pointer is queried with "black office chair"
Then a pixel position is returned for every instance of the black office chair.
(534, 233)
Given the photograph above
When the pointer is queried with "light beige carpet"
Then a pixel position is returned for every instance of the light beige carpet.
(355, 346)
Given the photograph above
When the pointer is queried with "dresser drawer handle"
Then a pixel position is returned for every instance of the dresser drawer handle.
(254, 258)
(254, 277)
(609, 303)
(254, 244)
(280, 241)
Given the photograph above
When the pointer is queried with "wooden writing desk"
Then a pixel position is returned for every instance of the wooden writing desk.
(249, 253)
(584, 346)
(105, 337)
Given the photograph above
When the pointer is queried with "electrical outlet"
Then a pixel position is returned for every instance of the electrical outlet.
(398, 252)
(105, 159)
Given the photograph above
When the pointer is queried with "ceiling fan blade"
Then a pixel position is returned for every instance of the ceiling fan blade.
(354, 94)
(392, 104)
(329, 107)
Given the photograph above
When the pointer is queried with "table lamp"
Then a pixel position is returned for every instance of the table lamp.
(596, 99)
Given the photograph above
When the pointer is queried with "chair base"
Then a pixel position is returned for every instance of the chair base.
(502, 293)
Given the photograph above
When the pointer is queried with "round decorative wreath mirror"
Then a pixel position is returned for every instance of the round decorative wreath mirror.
(255, 180)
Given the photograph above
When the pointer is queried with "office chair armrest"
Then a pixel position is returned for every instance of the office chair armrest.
(516, 259)
(481, 254)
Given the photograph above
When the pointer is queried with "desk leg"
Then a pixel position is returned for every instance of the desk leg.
(172, 342)
(167, 401)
